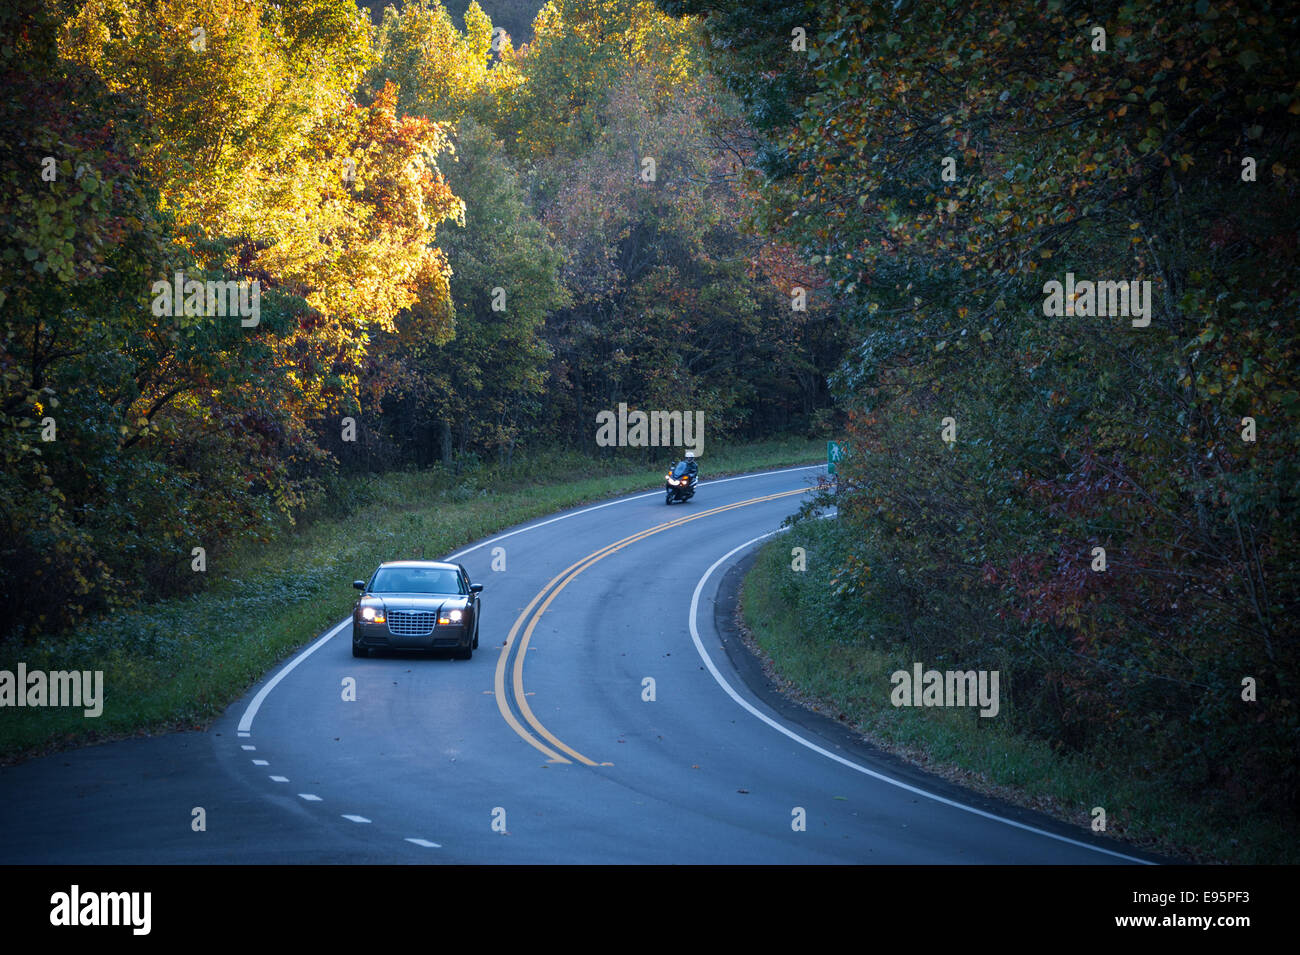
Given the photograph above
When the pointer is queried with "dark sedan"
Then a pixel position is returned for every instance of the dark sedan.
(416, 605)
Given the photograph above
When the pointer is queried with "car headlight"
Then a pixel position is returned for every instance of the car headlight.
(371, 615)
(453, 616)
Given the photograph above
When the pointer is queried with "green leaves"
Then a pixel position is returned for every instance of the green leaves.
(1072, 430)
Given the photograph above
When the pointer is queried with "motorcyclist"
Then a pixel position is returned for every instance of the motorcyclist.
(686, 468)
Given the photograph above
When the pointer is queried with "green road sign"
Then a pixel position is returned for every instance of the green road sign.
(835, 452)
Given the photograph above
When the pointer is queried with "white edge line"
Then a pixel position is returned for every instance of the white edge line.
(708, 661)
(424, 842)
(246, 721)
(623, 500)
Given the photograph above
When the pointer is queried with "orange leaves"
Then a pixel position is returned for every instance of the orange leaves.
(781, 264)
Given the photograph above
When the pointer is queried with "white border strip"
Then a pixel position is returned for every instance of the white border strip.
(246, 721)
(708, 662)
(623, 500)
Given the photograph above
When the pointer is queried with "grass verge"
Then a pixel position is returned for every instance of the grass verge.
(834, 668)
(177, 664)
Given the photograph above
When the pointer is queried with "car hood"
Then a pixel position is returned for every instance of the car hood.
(397, 601)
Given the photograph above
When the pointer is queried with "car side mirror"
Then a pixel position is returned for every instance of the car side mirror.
(476, 588)
(359, 584)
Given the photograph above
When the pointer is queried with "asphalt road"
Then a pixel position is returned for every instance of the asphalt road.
(545, 747)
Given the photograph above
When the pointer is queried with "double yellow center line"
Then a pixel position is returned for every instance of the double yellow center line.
(527, 623)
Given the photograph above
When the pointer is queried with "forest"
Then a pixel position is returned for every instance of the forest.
(460, 248)
(1102, 505)
(1034, 263)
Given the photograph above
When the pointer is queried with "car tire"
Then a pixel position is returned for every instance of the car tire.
(474, 645)
(358, 651)
(465, 653)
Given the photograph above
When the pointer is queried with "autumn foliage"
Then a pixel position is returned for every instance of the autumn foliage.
(942, 162)
(455, 252)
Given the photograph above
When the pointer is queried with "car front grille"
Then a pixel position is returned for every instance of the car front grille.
(412, 623)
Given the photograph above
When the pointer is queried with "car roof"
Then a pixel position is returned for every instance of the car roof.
(441, 564)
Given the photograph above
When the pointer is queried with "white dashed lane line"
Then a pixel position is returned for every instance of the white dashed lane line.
(351, 817)
(250, 713)
(246, 721)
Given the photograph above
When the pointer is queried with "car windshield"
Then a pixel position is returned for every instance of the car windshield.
(416, 580)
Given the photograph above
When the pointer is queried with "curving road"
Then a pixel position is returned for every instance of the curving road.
(546, 746)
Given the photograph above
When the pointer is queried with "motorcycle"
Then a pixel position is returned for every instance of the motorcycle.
(679, 483)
